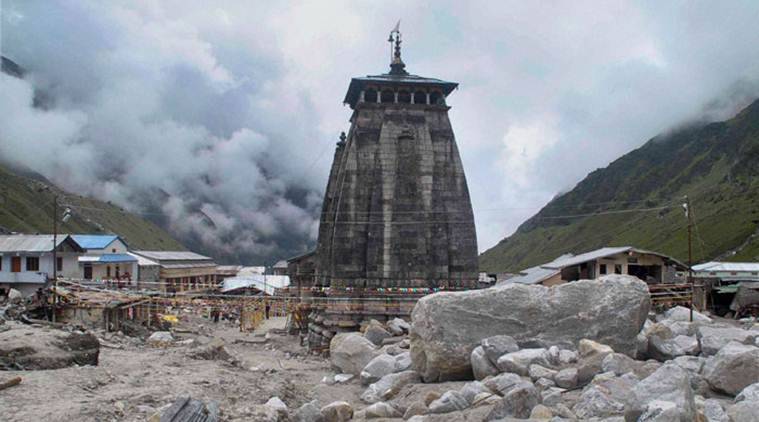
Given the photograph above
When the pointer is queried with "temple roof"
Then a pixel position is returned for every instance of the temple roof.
(408, 80)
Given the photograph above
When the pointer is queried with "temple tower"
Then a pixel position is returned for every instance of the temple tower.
(396, 210)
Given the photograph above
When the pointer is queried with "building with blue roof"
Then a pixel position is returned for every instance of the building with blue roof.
(106, 258)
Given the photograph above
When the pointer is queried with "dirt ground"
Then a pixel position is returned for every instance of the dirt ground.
(135, 381)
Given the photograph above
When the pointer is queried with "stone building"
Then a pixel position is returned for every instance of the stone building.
(396, 211)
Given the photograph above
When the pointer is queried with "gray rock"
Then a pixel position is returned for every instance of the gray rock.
(448, 325)
(403, 361)
(415, 409)
(388, 386)
(517, 403)
(450, 401)
(338, 411)
(750, 393)
(553, 355)
(544, 383)
(734, 368)
(567, 378)
(309, 412)
(694, 365)
(587, 348)
(712, 339)
(669, 383)
(278, 405)
(160, 339)
(502, 383)
(398, 326)
(714, 412)
(343, 378)
(482, 367)
(497, 346)
(377, 368)
(618, 363)
(680, 328)
(661, 411)
(680, 313)
(519, 362)
(591, 359)
(667, 349)
(470, 390)
(745, 411)
(541, 413)
(536, 371)
(351, 352)
(641, 346)
(551, 397)
(381, 410)
(597, 402)
(375, 333)
(567, 357)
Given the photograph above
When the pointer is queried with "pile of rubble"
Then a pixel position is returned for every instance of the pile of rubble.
(581, 351)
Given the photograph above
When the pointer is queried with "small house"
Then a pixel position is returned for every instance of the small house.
(182, 271)
(651, 267)
(106, 258)
(26, 261)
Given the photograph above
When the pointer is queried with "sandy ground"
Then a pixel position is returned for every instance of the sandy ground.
(136, 381)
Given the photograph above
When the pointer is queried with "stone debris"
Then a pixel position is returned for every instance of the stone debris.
(215, 350)
(308, 412)
(443, 337)
(338, 411)
(376, 332)
(398, 326)
(351, 352)
(161, 339)
(734, 368)
(388, 386)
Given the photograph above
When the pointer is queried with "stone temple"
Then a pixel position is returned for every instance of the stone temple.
(396, 210)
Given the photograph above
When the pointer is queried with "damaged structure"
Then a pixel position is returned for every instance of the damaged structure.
(397, 217)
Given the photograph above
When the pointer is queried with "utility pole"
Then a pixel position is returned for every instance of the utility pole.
(55, 255)
(689, 216)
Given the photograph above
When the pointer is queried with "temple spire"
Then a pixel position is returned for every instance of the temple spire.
(397, 67)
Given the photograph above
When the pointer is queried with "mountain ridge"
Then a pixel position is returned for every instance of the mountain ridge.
(714, 164)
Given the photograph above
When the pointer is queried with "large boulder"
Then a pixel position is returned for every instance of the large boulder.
(681, 313)
(351, 352)
(670, 383)
(734, 368)
(712, 339)
(447, 326)
(31, 348)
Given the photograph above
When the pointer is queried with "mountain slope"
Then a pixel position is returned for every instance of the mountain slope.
(716, 165)
(26, 206)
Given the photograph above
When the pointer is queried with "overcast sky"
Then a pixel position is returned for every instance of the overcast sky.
(233, 108)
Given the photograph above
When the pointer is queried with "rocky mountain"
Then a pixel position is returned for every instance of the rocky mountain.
(26, 206)
(637, 200)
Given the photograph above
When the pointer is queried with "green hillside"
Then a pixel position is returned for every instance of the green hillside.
(716, 165)
(26, 206)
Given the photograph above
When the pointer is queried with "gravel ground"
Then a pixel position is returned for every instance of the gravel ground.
(136, 381)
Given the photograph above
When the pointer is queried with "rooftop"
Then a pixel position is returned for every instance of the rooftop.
(33, 242)
(172, 256)
(94, 241)
(715, 266)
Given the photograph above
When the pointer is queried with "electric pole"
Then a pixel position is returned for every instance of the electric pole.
(55, 255)
(689, 216)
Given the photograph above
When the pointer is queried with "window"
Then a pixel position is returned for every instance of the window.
(108, 271)
(602, 269)
(16, 264)
(113, 250)
(1, 262)
(617, 268)
(59, 263)
(32, 263)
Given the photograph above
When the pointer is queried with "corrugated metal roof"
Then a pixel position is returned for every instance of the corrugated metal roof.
(29, 242)
(716, 266)
(532, 275)
(266, 284)
(142, 261)
(174, 266)
(537, 274)
(172, 256)
(94, 241)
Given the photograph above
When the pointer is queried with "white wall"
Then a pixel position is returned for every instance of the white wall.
(117, 246)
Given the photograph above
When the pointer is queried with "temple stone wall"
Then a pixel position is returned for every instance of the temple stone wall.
(397, 211)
